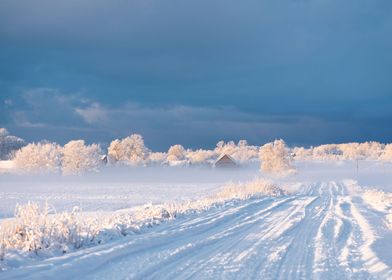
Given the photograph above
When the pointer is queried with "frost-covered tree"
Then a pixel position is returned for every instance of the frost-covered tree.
(275, 158)
(370, 150)
(367, 150)
(225, 148)
(79, 158)
(345, 151)
(130, 150)
(327, 152)
(9, 144)
(39, 158)
(200, 156)
(387, 153)
(176, 153)
(245, 153)
(242, 152)
(115, 151)
(301, 153)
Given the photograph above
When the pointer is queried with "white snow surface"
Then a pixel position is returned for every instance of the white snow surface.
(114, 189)
(333, 222)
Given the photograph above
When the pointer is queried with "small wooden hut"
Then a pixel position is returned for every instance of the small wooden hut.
(225, 161)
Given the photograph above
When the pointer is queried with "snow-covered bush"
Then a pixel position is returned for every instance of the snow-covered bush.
(79, 158)
(130, 150)
(275, 158)
(9, 144)
(39, 158)
(379, 200)
(34, 229)
(247, 190)
(157, 158)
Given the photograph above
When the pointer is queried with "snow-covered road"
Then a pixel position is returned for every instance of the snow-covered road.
(323, 232)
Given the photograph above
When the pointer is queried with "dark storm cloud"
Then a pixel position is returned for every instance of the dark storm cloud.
(253, 69)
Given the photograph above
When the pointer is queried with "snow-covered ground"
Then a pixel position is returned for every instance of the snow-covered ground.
(115, 188)
(334, 222)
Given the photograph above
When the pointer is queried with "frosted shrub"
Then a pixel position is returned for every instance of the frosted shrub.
(79, 158)
(380, 200)
(247, 190)
(29, 230)
(157, 158)
(70, 231)
(275, 158)
(39, 158)
(33, 229)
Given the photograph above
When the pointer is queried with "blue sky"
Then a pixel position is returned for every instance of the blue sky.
(195, 72)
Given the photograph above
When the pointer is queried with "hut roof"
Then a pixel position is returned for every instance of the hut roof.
(225, 161)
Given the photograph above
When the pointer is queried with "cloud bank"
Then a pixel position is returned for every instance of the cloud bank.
(309, 71)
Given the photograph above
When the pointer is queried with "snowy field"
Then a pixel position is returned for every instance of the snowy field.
(332, 220)
(115, 188)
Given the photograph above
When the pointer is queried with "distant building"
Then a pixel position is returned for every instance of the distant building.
(104, 159)
(225, 161)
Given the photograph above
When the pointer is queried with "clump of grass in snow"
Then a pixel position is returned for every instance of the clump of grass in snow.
(247, 190)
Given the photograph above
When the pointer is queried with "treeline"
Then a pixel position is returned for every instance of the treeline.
(347, 151)
(78, 157)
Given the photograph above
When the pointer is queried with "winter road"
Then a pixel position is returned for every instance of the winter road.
(321, 233)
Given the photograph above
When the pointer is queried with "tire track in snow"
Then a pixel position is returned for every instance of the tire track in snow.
(332, 237)
(192, 251)
(270, 229)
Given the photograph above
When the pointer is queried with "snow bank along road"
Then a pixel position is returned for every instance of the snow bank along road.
(321, 233)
